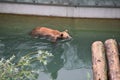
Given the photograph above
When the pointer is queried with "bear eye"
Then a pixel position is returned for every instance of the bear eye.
(61, 35)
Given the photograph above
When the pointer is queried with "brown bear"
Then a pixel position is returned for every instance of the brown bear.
(54, 35)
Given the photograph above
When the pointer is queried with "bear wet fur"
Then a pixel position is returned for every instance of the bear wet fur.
(54, 35)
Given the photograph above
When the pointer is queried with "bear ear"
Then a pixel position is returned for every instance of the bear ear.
(61, 34)
(66, 30)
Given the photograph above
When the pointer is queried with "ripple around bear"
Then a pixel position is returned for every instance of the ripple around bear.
(54, 35)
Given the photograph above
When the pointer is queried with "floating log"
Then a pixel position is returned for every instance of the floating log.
(113, 59)
(99, 61)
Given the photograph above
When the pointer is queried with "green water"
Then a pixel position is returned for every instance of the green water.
(72, 59)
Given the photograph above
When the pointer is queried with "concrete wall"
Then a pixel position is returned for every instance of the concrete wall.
(61, 11)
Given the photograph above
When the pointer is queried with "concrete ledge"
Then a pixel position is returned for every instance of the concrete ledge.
(60, 11)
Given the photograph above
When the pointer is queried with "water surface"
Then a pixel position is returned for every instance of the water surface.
(72, 59)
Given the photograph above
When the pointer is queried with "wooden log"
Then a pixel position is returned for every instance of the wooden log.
(113, 59)
(99, 61)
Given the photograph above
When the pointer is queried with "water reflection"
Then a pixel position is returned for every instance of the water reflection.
(79, 74)
(70, 56)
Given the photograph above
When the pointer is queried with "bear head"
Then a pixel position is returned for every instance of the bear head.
(65, 35)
